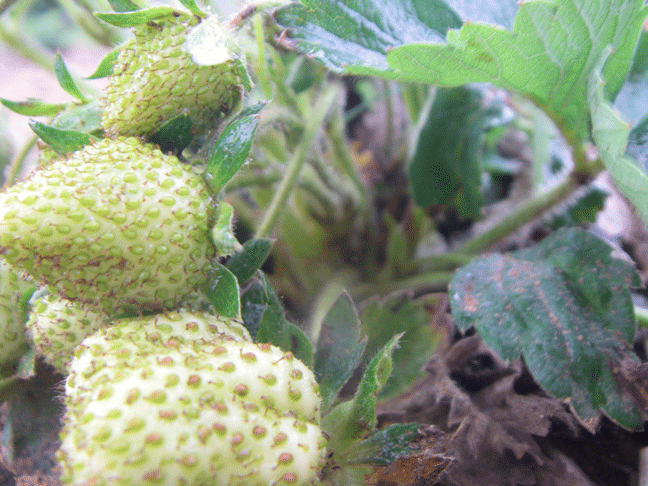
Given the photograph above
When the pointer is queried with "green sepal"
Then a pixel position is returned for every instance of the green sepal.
(174, 135)
(33, 107)
(106, 66)
(222, 291)
(62, 141)
(222, 232)
(245, 262)
(135, 18)
(385, 446)
(123, 5)
(65, 78)
(193, 8)
(354, 420)
(275, 329)
(339, 349)
(231, 148)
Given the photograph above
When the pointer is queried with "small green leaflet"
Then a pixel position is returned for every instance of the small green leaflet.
(385, 446)
(222, 291)
(62, 141)
(339, 349)
(193, 8)
(565, 305)
(135, 18)
(231, 149)
(33, 107)
(222, 232)
(245, 262)
(65, 78)
(174, 135)
(105, 67)
(123, 5)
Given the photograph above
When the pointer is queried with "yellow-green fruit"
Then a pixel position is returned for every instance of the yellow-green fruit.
(56, 326)
(13, 289)
(153, 401)
(155, 79)
(116, 225)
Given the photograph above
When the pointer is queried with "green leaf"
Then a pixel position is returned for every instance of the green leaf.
(135, 18)
(275, 329)
(445, 168)
(385, 446)
(338, 350)
(123, 5)
(498, 12)
(105, 67)
(611, 136)
(360, 33)
(174, 135)
(63, 141)
(222, 291)
(583, 209)
(548, 56)
(193, 8)
(65, 78)
(351, 421)
(640, 62)
(231, 149)
(245, 262)
(33, 107)
(382, 318)
(566, 307)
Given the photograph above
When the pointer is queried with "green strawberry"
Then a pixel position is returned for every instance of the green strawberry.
(56, 326)
(116, 225)
(155, 79)
(169, 404)
(14, 289)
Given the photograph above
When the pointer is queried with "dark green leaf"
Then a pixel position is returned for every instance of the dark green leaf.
(565, 306)
(65, 78)
(445, 168)
(174, 135)
(63, 141)
(385, 446)
(351, 32)
(193, 8)
(123, 5)
(275, 329)
(231, 149)
(583, 209)
(254, 301)
(105, 67)
(338, 350)
(33, 107)
(135, 18)
(222, 291)
(246, 262)
(640, 63)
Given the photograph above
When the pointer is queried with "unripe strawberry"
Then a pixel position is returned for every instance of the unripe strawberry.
(57, 326)
(156, 79)
(167, 404)
(13, 287)
(116, 225)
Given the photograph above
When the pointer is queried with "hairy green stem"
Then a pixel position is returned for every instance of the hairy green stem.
(313, 124)
(435, 281)
(528, 211)
(261, 68)
(26, 48)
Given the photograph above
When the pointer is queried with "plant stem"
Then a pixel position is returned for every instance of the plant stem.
(26, 48)
(641, 315)
(313, 124)
(261, 69)
(18, 163)
(433, 281)
(532, 209)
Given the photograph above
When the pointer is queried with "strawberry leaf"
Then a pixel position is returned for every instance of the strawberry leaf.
(222, 291)
(385, 446)
(105, 67)
(566, 307)
(339, 349)
(231, 149)
(135, 18)
(63, 141)
(33, 107)
(174, 135)
(245, 262)
(123, 5)
(65, 78)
